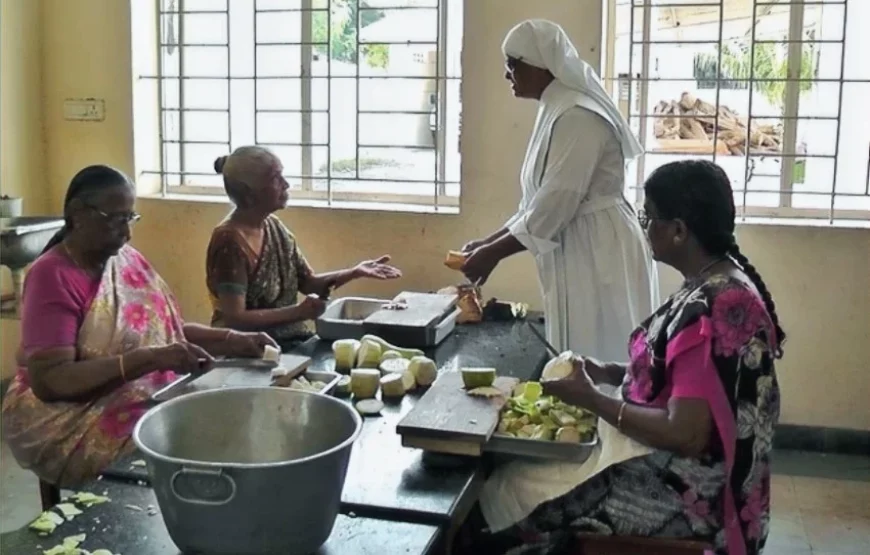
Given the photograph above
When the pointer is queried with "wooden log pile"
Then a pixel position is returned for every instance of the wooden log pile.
(689, 124)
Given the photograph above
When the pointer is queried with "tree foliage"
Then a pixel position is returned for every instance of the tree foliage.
(340, 31)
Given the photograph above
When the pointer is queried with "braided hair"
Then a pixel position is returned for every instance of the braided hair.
(699, 193)
(88, 183)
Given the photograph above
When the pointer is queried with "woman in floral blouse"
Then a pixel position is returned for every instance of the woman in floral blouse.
(700, 392)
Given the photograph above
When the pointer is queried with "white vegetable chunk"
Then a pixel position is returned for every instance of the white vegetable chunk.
(424, 369)
(369, 407)
(558, 368)
(345, 352)
(271, 354)
(364, 382)
(392, 386)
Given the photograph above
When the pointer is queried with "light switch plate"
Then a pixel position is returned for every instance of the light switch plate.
(84, 109)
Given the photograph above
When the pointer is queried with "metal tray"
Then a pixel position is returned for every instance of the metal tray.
(537, 449)
(343, 318)
(239, 376)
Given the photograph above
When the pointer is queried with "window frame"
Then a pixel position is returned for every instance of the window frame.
(790, 117)
(438, 201)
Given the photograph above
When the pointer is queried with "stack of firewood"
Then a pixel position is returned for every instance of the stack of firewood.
(693, 120)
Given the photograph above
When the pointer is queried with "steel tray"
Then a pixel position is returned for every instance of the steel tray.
(343, 318)
(538, 449)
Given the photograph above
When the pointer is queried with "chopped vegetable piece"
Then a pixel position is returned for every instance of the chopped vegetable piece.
(529, 391)
(369, 407)
(558, 368)
(271, 354)
(345, 352)
(140, 463)
(46, 522)
(568, 435)
(364, 382)
(424, 369)
(390, 354)
(87, 499)
(486, 392)
(392, 386)
(385, 346)
(343, 386)
(69, 510)
(408, 380)
(393, 365)
(369, 355)
(455, 260)
(70, 546)
(478, 377)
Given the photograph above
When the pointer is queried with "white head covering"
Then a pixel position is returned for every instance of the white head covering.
(545, 45)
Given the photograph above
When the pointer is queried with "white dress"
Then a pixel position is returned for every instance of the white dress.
(595, 267)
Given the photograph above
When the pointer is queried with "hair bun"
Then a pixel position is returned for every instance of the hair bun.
(219, 163)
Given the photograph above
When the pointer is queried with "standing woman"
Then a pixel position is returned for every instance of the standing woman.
(255, 270)
(595, 268)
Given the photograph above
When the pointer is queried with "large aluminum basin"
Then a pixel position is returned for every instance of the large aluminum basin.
(254, 470)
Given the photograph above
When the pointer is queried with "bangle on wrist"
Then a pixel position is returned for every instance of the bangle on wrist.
(620, 415)
(121, 368)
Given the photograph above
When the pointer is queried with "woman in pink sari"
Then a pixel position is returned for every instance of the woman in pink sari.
(699, 391)
(101, 332)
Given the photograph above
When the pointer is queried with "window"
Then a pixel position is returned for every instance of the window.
(773, 91)
(359, 98)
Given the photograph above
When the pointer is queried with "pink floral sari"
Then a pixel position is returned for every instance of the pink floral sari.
(67, 443)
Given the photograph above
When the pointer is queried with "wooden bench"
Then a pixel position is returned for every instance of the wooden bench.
(592, 544)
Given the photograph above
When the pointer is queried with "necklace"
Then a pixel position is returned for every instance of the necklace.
(702, 271)
(711, 264)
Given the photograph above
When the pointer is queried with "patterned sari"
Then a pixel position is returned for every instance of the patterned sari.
(67, 443)
(710, 340)
(268, 279)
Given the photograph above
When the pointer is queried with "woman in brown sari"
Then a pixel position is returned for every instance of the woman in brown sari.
(254, 268)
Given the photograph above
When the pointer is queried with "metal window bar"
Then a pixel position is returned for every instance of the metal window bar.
(790, 116)
(791, 105)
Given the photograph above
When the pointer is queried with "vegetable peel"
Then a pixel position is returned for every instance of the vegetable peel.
(486, 391)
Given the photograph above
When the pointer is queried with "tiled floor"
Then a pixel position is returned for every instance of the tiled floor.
(821, 503)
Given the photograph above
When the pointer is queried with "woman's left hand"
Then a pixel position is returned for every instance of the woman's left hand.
(577, 389)
(249, 345)
(377, 269)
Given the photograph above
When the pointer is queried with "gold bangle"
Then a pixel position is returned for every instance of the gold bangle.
(121, 366)
(619, 416)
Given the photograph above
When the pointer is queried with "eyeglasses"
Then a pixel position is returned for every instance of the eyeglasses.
(118, 219)
(511, 64)
(643, 218)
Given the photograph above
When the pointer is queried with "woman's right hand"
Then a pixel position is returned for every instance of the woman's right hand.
(183, 358)
(311, 307)
(472, 246)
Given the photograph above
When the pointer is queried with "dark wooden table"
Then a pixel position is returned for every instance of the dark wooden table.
(388, 481)
(121, 529)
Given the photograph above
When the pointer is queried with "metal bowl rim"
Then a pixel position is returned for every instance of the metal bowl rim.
(235, 465)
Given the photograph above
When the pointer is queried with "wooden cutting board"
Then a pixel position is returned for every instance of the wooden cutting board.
(239, 376)
(423, 309)
(448, 420)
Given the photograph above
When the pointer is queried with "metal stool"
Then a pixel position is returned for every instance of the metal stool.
(49, 494)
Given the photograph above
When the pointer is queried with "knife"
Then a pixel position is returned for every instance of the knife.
(542, 339)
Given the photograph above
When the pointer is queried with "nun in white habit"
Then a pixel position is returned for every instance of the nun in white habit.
(595, 267)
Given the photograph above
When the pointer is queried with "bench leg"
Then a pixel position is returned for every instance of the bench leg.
(49, 495)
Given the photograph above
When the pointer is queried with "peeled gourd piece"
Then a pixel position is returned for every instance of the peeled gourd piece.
(364, 382)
